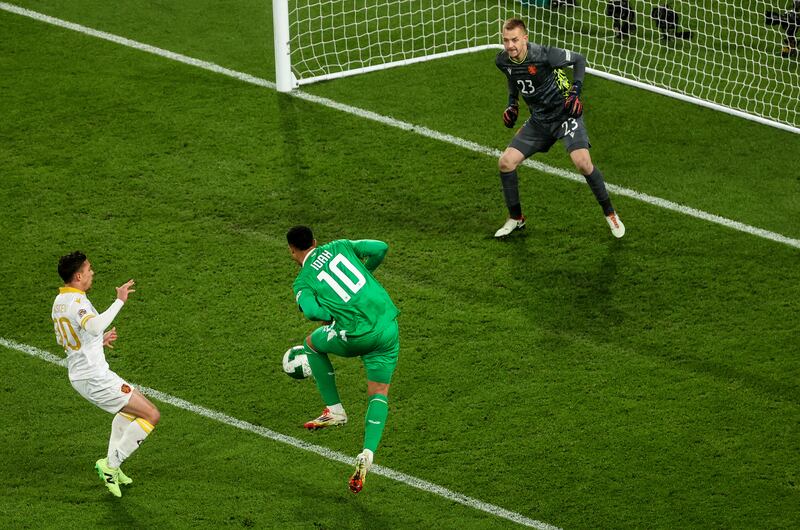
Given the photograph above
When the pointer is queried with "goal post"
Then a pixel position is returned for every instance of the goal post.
(736, 56)
(284, 78)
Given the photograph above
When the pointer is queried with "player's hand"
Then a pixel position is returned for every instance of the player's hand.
(125, 290)
(510, 115)
(109, 337)
(573, 102)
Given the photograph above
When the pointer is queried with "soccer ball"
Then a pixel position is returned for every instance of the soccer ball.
(295, 363)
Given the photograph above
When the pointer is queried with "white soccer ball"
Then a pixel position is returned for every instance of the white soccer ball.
(295, 363)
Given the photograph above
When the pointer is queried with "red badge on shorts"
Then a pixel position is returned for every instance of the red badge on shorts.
(126, 389)
(532, 69)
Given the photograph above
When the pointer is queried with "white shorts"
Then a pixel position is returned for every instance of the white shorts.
(111, 393)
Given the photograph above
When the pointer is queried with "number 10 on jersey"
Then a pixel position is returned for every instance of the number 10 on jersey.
(343, 279)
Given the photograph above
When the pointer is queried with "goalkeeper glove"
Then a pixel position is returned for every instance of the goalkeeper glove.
(510, 115)
(573, 103)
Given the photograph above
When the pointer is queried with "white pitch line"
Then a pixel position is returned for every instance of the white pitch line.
(386, 120)
(324, 452)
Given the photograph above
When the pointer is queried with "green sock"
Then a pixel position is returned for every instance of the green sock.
(377, 410)
(322, 369)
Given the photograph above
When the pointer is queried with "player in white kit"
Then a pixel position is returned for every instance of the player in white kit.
(80, 330)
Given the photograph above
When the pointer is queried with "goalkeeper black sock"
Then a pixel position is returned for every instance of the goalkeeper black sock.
(607, 208)
(598, 187)
(511, 193)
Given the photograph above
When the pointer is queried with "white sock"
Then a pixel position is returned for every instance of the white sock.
(118, 426)
(133, 436)
(368, 453)
(336, 409)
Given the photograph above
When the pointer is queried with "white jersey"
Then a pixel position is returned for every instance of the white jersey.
(85, 357)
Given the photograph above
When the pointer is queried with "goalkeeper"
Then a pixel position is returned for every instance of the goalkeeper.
(535, 71)
(336, 286)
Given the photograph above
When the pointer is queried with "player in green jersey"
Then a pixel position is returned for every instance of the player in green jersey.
(335, 286)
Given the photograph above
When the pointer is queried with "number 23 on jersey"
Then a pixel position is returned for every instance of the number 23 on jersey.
(526, 86)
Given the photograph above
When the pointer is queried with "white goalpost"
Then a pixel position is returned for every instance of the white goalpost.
(736, 56)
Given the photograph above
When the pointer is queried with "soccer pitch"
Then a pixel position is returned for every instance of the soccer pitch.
(566, 377)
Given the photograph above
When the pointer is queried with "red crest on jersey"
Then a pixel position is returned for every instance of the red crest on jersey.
(125, 389)
(532, 69)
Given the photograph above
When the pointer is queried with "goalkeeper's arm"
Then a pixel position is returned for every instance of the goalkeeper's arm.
(511, 113)
(559, 58)
(513, 93)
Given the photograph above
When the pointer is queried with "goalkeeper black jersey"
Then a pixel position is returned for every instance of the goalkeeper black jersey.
(540, 79)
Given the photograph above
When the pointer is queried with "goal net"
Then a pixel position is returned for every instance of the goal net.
(734, 55)
(336, 38)
(739, 56)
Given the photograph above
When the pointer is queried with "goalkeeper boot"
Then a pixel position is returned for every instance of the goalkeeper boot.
(363, 463)
(326, 419)
(615, 224)
(509, 226)
(109, 476)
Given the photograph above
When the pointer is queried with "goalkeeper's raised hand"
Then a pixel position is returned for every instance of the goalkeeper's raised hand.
(573, 102)
(510, 115)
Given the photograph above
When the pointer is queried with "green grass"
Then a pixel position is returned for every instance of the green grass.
(650, 382)
(201, 482)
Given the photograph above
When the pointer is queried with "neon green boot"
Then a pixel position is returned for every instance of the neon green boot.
(109, 476)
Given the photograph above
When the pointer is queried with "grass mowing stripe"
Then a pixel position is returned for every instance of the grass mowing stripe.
(386, 120)
(221, 417)
(136, 45)
(544, 168)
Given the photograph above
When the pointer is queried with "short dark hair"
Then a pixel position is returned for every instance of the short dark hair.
(300, 237)
(514, 23)
(70, 264)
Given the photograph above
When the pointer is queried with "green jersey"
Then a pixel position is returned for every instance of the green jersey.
(336, 283)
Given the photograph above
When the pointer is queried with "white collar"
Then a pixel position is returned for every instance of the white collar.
(307, 255)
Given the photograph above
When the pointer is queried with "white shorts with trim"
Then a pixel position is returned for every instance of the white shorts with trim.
(110, 392)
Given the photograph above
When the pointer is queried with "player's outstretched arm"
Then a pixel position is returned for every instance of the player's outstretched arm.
(371, 251)
(125, 289)
(97, 325)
